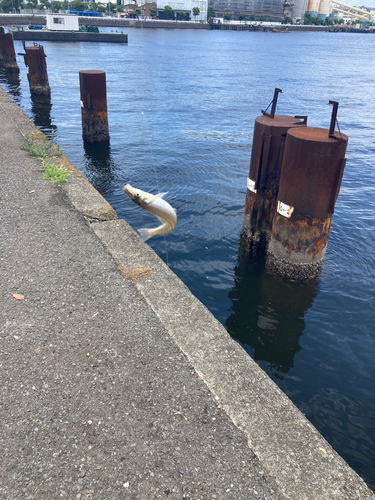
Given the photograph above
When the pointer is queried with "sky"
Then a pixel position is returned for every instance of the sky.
(364, 3)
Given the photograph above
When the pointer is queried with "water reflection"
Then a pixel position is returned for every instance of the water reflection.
(11, 81)
(348, 423)
(100, 167)
(267, 313)
(41, 112)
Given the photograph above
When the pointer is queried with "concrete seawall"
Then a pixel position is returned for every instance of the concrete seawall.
(297, 461)
(113, 22)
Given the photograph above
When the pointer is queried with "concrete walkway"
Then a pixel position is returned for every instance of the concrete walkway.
(117, 383)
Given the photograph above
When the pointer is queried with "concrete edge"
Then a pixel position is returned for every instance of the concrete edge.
(292, 452)
(84, 197)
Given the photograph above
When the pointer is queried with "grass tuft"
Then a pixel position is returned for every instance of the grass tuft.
(41, 149)
(57, 174)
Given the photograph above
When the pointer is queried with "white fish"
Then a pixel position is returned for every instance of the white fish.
(155, 205)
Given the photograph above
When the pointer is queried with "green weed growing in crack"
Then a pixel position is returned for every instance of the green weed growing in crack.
(57, 174)
(41, 149)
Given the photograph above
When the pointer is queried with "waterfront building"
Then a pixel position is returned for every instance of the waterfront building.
(185, 6)
(270, 9)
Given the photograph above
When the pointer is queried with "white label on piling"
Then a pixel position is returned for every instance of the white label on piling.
(251, 185)
(81, 104)
(284, 209)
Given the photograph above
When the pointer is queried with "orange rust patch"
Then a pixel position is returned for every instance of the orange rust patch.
(136, 273)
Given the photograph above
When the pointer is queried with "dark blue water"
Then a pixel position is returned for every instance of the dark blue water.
(181, 108)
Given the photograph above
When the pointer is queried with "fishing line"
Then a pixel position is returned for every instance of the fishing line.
(145, 121)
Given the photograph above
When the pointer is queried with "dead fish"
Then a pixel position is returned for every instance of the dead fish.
(155, 205)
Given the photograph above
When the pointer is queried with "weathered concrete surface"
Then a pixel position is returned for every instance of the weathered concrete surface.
(293, 453)
(99, 388)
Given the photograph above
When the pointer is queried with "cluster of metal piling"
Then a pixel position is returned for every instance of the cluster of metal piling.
(293, 184)
(92, 86)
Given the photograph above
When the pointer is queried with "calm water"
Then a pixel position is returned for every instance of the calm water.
(181, 108)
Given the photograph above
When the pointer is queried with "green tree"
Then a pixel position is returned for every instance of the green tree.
(181, 15)
(262, 18)
(318, 21)
(210, 13)
(100, 7)
(340, 21)
(110, 6)
(31, 4)
(56, 5)
(307, 19)
(227, 16)
(252, 17)
(153, 11)
(328, 21)
(77, 5)
(120, 8)
(169, 12)
(138, 12)
(196, 12)
(242, 17)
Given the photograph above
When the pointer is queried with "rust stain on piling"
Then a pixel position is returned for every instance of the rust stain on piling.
(302, 234)
(35, 59)
(8, 52)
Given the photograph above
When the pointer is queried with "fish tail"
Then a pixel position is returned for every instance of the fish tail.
(144, 234)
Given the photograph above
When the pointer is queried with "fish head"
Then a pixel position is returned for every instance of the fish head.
(133, 193)
(141, 198)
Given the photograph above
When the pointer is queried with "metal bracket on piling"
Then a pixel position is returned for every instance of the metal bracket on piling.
(273, 102)
(302, 117)
(332, 126)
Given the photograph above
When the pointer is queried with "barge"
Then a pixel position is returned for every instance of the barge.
(65, 28)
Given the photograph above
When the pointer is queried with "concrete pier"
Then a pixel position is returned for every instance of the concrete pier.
(116, 381)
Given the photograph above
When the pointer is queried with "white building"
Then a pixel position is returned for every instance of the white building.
(186, 5)
(62, 22)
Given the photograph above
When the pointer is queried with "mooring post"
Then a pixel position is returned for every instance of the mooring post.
(35, 59)
(263, 181)
(311, 174)
(1, 43)
(94, 105)
(7, 52)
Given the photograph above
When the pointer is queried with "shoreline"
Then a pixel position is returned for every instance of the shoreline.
(114, 22)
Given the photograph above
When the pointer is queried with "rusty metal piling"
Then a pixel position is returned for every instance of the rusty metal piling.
(35, 59)
(263, 181)
(94, 106)
(311, 174)
(7, 52)
(1, 45)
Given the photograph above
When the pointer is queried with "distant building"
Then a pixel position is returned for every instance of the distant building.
(270, 9)
(185, 6)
